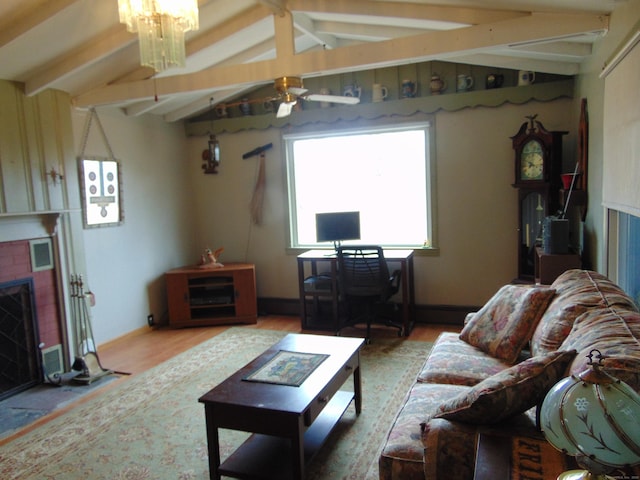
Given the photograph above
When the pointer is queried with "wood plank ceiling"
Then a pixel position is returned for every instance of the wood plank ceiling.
(79, 46)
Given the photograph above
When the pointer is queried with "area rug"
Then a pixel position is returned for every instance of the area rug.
(151, 426)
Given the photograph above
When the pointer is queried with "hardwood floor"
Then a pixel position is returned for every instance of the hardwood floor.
(142, 349)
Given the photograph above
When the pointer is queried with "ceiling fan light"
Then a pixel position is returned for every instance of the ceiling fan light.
(161, 26)
(289, 98)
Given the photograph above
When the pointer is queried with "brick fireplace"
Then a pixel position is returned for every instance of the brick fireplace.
(38, 291)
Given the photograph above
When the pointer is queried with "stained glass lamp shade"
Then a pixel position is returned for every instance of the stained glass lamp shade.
(595, 418)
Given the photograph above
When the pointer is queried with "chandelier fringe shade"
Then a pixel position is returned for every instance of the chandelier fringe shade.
(161, 26)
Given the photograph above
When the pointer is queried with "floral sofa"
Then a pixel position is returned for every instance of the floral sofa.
(491, 376)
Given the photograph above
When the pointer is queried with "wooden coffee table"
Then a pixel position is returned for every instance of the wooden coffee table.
(289, 423)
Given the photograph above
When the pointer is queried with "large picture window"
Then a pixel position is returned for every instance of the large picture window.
(382, 173)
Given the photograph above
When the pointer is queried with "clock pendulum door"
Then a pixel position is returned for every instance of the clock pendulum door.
(533, 210)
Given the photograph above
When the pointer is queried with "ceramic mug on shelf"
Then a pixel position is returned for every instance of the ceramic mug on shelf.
(526, 77)
(437, 85)
(245, 107)
(464, 83)
(268, 106)
(379, 92)
(221, 110)
(324, 91)
(408, 88)
(495, 80)
(352, 91)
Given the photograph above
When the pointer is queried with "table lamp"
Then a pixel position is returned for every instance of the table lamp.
(594, 417)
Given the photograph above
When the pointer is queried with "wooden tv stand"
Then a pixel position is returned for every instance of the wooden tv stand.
(212, 296)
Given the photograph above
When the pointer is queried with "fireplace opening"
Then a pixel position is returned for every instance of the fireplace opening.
(20, 359)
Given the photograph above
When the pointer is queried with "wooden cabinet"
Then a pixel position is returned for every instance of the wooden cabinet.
(212, 296)
(548, 266)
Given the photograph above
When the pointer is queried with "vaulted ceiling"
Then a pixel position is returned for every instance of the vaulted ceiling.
(80, 47)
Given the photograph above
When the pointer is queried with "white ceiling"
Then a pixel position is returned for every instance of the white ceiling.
(79, 46)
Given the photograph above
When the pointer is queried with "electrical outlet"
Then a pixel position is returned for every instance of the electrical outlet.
(150, 319)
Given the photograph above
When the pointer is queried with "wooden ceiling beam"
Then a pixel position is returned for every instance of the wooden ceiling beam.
(536, 27)
(463, 15)
(118, 37)
(100, 47)
(29, 15)
(307, 26)
(283, 25)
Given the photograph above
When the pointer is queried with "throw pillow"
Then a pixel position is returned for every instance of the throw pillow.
(504, 325)
(510, 392)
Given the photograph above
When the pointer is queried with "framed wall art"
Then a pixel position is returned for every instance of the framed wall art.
(100, 183)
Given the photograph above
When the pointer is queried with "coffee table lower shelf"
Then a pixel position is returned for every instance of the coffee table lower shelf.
(268, 457)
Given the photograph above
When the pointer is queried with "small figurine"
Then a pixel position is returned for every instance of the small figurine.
(209, 259)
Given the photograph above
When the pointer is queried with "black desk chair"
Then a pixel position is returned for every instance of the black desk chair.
(365, 285)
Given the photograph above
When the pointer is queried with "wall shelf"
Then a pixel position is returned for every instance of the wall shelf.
(429, 104)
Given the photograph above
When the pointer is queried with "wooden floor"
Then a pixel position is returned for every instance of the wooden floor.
(145, 348)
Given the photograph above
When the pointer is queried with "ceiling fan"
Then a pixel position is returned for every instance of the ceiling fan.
(289, 90)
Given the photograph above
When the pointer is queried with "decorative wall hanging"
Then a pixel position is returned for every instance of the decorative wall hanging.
(100, 183)
(257, 200)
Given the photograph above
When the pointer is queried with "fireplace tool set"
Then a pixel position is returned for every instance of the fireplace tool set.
(86, 361)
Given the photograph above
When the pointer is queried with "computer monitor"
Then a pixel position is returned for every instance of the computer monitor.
(337, 226)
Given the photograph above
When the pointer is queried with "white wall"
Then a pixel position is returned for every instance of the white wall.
(173, 210)
(624, 19)
(125, 264)
(477, 206)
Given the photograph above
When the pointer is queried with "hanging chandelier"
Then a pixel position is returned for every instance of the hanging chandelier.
(161, 25)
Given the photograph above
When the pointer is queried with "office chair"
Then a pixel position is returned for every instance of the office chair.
(365, 283)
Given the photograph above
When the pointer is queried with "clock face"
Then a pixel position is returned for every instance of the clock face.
(532, 161)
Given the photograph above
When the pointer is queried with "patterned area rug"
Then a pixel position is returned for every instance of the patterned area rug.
(152, 426)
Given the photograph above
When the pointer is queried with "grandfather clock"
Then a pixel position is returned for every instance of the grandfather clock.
(538, 164)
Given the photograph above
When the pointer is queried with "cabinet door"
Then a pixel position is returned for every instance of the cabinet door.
(245, 292)
(178, 298)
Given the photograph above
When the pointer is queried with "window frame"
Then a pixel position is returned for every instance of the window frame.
(425, 122)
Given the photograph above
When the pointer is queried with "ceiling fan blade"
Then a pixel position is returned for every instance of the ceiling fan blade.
(297, 90)
(284, 110)
(318, 97)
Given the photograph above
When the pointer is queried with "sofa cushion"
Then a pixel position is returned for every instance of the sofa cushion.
(576, 292)
(509, 392)
(615, 333)
(455, 362)
(450, 447)
(403, 453)
(450, 450)
(504, 325)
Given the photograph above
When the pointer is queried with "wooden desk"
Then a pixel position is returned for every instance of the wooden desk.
(314, 258)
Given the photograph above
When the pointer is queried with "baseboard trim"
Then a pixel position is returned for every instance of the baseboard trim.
(435, 314)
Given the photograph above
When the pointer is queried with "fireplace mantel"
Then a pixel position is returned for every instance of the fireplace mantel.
(64, 227)
(21, 226)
